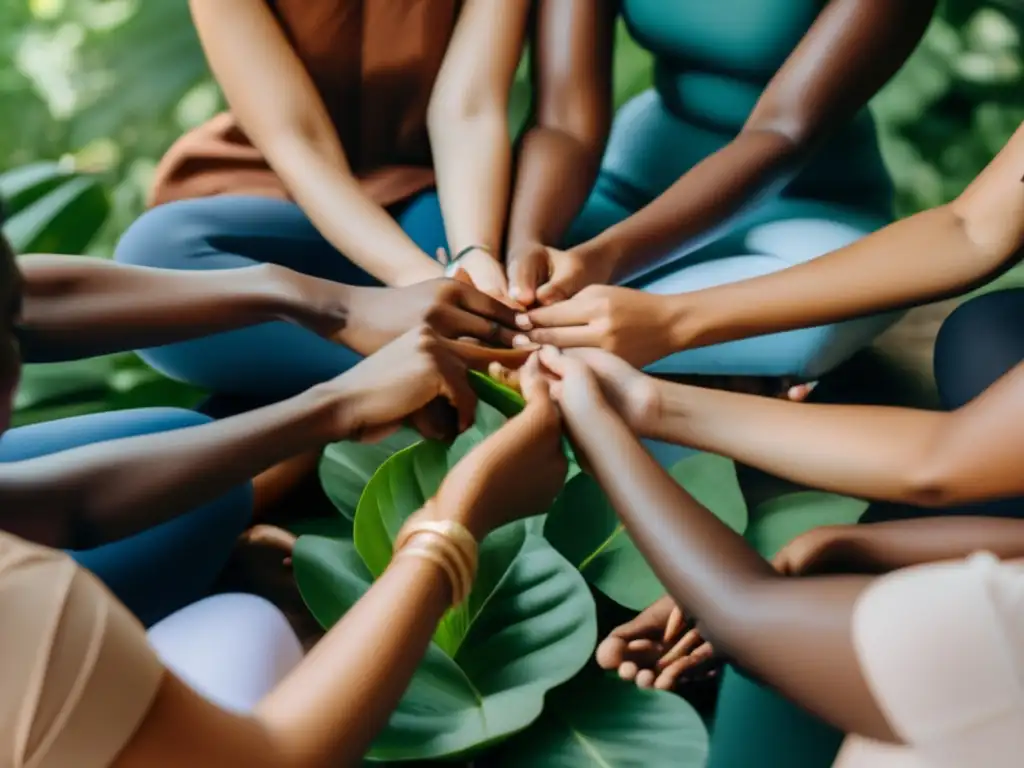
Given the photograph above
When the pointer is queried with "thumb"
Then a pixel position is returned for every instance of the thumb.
(563, 284)
(525, 273)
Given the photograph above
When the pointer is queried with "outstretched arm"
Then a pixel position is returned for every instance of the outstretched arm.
(850, 52)
(560, 152)
(932, 255)
(74, 307)
(98, 493)
(277, 104)
(468, 122)
(329, 710)
(769, 624)
(924, 458)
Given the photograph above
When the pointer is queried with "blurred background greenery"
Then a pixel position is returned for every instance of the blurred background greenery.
(93, 91)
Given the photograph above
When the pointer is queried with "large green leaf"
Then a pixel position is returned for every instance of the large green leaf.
(347, 467)
(598, 720)
(584, 527)
(536, 628)
(405, 481)
(64, 220)
(778, 521)
(22, 186)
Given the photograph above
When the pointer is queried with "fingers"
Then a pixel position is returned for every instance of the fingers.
(533, 384)
(564, 338)
(457, 323)
(525, 273)
(577, 312)
(675, 625)
(479, 358)
(487, 306)
(649, 625)
(504, 375)
(671, 675)
(689, 642)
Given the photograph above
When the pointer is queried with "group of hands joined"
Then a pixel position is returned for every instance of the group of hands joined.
(557, 298)
(421, 378)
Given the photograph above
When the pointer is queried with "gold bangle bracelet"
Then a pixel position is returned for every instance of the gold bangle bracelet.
(441, 556)
(466, 569)
(449, 529)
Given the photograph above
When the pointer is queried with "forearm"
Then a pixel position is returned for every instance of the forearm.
(318, 177)
(767, 623)
(473, 159)
(114, 489)
(555, 172)
(75, 307)
(329, 710)
(924, 258)
(698, 558)
(863, 451)
(700, 203)
(889, 546)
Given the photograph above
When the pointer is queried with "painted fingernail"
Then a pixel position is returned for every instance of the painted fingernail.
(523, 321)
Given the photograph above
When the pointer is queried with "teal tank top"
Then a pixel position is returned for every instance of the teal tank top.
(713, 59)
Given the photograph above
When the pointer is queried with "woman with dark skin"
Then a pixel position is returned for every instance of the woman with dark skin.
(834, 644)
(753, 153)
(154, 556)
(327, 161)
(323, 710)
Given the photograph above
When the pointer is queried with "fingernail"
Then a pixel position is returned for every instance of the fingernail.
(523, 321)
(523, 342)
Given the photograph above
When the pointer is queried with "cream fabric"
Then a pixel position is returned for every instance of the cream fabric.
(77, 675)
(942, 648)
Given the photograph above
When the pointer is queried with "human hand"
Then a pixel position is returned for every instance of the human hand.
(486, 273)
(632, 393)
(819, 550)
(365, 319)
(658, 649)
(539, 274)
(515, 473)
(632, 324)
(420, 377)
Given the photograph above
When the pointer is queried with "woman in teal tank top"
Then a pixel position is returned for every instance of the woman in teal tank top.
(753, 152)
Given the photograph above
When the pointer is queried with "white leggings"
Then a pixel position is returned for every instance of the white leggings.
(233, 649)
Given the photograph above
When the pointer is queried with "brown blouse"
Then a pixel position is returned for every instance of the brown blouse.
(373, 63)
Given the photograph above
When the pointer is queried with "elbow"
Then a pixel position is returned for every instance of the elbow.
(931, 482)
(584, 121)
(450, 107)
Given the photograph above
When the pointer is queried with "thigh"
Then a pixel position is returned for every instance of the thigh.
(274, 360)
(233, 648)
(161, 569)
(776, 236)
(755, 726)
(979, 343)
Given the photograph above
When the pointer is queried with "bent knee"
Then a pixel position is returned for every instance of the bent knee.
(167, 237)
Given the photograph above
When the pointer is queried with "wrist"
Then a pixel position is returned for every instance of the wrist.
(604, 252)
(326, 409)
(425, 269)
(273, 291)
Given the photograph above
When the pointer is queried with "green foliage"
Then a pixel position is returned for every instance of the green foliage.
(523, 567)
(599, 720)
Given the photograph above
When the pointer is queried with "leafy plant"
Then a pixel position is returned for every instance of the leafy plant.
(529, 625)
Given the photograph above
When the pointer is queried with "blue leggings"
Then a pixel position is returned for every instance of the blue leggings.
(167, 567)
(273, 360)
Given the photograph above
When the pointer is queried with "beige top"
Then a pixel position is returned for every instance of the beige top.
(942, 649)
(77, 675)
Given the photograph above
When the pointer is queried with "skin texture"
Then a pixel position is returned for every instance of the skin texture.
(467, 123)
(329, 709)
(942, 252)
(74, 307)
(922, 458)
(769, 624)
(560, 153)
